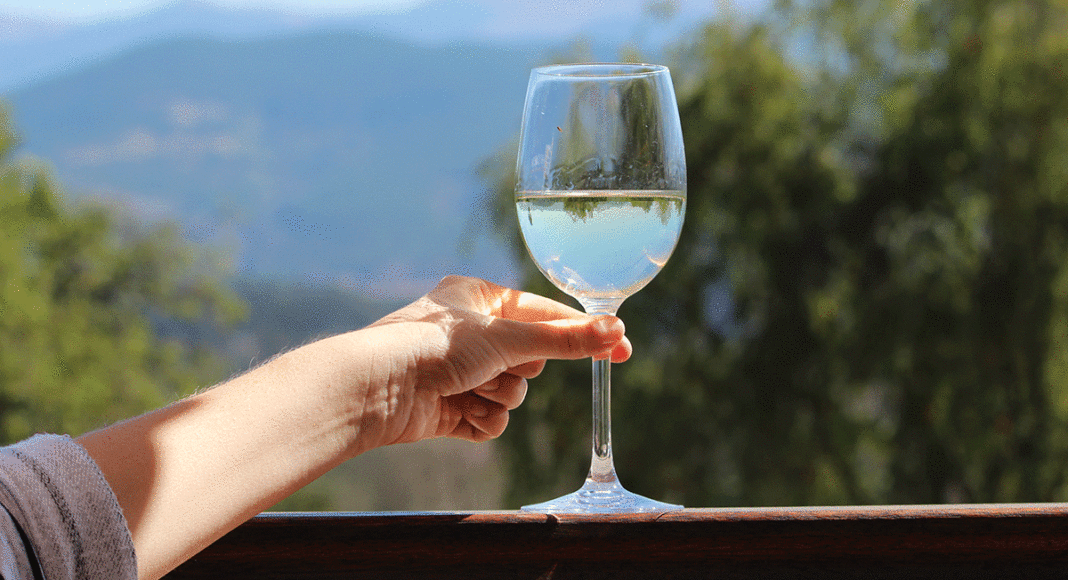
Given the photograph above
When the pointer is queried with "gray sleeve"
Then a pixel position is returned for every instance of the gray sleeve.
(59, 517)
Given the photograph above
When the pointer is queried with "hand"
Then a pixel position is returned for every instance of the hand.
(458, 359)
(450, 364)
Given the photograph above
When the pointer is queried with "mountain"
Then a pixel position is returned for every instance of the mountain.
(326, 149)
(35, 48)
(324, 155)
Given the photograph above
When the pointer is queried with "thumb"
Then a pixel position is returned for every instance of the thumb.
(573, 338)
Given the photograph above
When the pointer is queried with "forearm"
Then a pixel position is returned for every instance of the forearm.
(188, 473)
(451, 364)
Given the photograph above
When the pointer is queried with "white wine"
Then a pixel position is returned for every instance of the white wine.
(600, 245)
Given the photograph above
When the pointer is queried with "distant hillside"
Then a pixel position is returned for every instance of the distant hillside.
(35, 49)
(314, 147)
(283, 316)
(322, 155)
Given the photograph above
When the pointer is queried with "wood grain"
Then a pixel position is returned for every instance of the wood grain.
(963, 541)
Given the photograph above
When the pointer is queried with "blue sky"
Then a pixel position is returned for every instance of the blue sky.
(97, 9)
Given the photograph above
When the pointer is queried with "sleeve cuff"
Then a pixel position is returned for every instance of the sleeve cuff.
(60, 498)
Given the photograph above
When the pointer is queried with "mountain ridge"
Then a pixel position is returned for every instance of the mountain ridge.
(286, 147)
(39, 48)
(337, 148)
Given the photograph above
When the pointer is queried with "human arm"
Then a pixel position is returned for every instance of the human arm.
(450, 364)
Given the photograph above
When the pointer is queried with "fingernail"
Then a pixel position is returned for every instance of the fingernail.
(478, 411)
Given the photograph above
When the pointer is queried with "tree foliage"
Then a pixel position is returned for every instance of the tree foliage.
(869, 302)
(81, 297)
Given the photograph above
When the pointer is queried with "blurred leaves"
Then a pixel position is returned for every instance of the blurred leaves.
(869, 302)
(82, 292)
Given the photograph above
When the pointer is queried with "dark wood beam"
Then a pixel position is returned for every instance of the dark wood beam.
(941, 541)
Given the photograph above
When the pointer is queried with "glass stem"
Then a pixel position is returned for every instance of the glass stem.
(602, 469)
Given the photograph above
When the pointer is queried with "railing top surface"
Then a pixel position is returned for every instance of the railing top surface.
(918, 541)
(691, 515)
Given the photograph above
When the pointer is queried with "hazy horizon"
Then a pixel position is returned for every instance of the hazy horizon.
(95, 11)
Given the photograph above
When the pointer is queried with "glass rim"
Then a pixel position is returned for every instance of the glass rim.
(600, 70)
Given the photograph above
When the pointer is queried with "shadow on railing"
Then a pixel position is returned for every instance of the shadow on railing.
(965, 541)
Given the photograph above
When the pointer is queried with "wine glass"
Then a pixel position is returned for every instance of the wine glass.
(600, 196)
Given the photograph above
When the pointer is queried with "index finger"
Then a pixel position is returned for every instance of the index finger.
(521, 342)
(529, 307)
(498, 301)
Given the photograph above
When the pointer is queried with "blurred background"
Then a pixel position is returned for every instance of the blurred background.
(869, 302)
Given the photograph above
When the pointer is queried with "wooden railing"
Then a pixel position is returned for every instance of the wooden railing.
(975, 541)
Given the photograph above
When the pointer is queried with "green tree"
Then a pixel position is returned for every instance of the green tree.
(82, 297)
(869, 301)
(965, 209)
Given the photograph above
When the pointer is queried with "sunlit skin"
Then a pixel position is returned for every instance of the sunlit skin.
(451, 364)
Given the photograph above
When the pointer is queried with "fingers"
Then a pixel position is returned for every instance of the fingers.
(523, 342)
(527, 307)
(529, 370)
(476, 418)
(523, 330)
(528, 327)
(618, 353)
(482, 413)
(494, 300)
(506, 389)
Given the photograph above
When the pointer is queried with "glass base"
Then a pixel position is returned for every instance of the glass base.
(601, 498)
